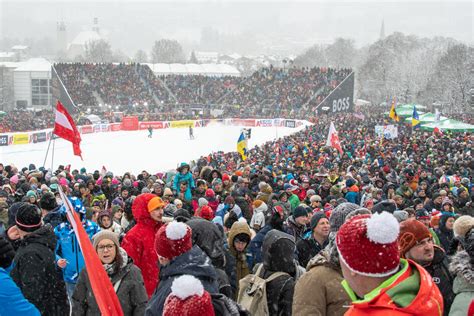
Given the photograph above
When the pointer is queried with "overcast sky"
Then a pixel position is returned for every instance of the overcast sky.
(132, 25)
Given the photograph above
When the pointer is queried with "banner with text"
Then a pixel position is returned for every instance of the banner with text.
(340, 99)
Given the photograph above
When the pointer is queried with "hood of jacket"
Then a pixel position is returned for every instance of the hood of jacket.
(410, 291)
(278, 251)
(194, 262)
(209, 238)
(43, 235)
(140, 208)
(238, 228)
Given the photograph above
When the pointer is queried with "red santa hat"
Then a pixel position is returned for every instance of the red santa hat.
(173, 239)
(367, 244)
(188, 298)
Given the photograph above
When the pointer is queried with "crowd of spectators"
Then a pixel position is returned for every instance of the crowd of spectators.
(22, 121)
(384, 226)
(73, 76)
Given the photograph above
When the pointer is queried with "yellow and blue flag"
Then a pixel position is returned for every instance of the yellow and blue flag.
(415, 120)
(242, 146)
(393, 113)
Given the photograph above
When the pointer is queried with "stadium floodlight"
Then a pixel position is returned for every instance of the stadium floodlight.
(145, 104)
(100, 105)
(88, 110)
(116, 107)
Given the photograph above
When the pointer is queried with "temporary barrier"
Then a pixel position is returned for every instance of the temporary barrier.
(152, 124)
(130, 123)
(20, 139)
(181, 124)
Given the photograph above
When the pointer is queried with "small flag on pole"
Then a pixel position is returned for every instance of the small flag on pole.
(333, 139)
(415, 120)
(393, 113)
(242, 146)
(65, 127)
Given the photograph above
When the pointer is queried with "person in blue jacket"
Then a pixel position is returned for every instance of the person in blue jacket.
(68, 252)
(183, 183)
(12, 301)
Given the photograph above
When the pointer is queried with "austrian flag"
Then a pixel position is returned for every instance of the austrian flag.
(333, 139)
(65, 127)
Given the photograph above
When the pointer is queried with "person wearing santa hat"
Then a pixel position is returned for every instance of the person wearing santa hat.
(188, 298)
(377, 280)
(177, 256)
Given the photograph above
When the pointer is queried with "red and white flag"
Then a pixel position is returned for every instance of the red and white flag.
(333, 139)
(65, 127)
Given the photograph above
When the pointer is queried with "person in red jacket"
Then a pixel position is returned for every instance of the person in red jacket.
(377, 281)
(139, 242)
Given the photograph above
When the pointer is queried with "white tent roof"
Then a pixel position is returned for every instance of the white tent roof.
(195, 69)
(35, 64)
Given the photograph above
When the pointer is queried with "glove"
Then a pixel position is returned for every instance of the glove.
(6, 253)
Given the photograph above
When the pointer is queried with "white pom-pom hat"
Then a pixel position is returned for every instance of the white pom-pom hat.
(173, 239)
(367, 244)
(188, 297)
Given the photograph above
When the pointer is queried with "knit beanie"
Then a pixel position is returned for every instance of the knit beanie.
(401, 215)
(48, 202)
(300, 211)
(28, 218)
(155, 203)
(188, 298)
(315, 198)
(173, 239)
(31, 193)
(105, 234)
(229, 200)
(384, 206)
(338, 215)
(316, 218)
(359, 211)
(210, 193)
(462, 225)
(206, 213)
(367, 244)
(202, 201)
(411, 232)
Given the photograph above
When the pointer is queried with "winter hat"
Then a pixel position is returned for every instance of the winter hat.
(181, 215)
(359, 211)
(31, 193)
(210, 193)
(401, 215)
(315, 198)
(28, 218)
(229, 200)
(225, 177)
(155, 203)
(14, 179)
(202, 201)
(411, 232)
(177, 202)
(188, 298)
(338, 215)
(207, 213)
(48, 202)
(367, 244)
(446, 200)
(462, 225)
(167, 191)
(105, 234)
(300, 211)
(422, 214)
(316, 218)
(310, 192)
(350, 182)
(384, 206)
(173, 239)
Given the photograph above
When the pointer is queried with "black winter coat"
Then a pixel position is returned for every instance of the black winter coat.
(278, 256)
(195, 263)
(36, 274)
(308, 248)
(54, 217)
(131, 292)
(439, 271)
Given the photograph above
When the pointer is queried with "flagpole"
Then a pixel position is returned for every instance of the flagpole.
(52, 153)
(47, 150)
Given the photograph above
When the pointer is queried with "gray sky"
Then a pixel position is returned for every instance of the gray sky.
(281, 25)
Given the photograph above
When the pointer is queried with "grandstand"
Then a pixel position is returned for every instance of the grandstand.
(268, 91)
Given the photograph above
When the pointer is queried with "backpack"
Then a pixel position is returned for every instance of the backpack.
(253, 292)
(224, 306)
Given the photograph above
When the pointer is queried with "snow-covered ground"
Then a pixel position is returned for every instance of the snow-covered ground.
(134, 151)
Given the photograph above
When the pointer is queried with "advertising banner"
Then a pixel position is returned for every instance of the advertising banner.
(96, 128)
(340, 99)
(387, 131)
(130, 123)
(39, 137)
(290, 123)
(19, 139)
(181, 124)
(87, 129)
(152, 124)
(243, 122)
(115, 127)
(265, 123)
(3, 140)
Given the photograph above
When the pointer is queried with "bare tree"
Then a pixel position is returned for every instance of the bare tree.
(98, 51)
(167, 51)
(140, 56)
(193, 59)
